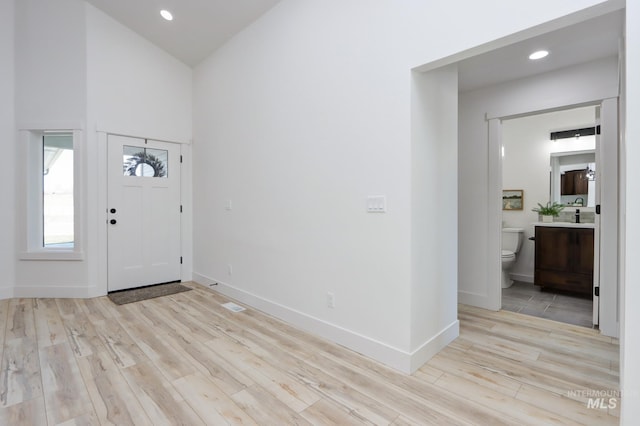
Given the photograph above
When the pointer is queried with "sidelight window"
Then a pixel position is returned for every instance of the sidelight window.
(52, 187)
(57, 190)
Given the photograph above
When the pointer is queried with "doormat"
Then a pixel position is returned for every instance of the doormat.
(144, 293)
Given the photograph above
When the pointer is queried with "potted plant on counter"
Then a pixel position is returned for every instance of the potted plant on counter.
(549, 211)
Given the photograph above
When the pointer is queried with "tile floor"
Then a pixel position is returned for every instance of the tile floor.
(526, 298)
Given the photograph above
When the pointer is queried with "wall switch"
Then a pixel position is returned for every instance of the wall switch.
(230, 269)
(331, 300)
(376, 204)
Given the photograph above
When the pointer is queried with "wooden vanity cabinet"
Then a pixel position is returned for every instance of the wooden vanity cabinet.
(564, 259)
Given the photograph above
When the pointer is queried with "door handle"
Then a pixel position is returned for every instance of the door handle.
(113, 221)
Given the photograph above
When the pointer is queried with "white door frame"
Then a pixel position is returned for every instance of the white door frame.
(143, 243)
(608, 262)
(609, 219)
(186, 226)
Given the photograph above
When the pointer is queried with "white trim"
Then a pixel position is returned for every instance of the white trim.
(186, 218)
(40, 126)
(526, 278)
(6, 293)
(434, 345)
(547, 106)
(609, 219)
(52, 254)
(475, 299)
(396, 358)
(102, 264)
(609, 323)
(56, 292)
(131, 133)
(31, 231)
(494, 215)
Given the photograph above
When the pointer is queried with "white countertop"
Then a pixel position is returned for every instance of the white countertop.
(565, 224)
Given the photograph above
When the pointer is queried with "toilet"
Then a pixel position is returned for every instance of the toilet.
(511, 243)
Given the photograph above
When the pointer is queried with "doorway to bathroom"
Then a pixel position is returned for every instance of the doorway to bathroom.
(552, 269)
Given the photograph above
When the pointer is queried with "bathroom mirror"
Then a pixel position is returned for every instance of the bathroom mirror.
(573, 177)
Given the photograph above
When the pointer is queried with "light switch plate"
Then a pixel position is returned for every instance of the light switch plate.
(376, 204)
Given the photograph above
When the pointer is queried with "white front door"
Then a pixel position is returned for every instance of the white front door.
(143, 212)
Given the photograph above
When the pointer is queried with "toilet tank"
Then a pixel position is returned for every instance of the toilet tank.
(512, 239)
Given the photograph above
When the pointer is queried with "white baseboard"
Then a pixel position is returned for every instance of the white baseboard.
(398, 359)
(6, 293)
(477, 300)
(434, 345)
(526, 278)
(60, 292)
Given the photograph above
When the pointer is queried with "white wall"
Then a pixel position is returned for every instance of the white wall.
(434, 157)
(296, 125)
(630, 341)
(98, 75)
(134, 89)
(282, 132)
(569, 86)
(50, 93)
(7, 138)
(50, 61)
(525, 166)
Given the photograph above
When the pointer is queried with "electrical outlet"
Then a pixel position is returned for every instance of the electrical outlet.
(230, 269)
(331, 300)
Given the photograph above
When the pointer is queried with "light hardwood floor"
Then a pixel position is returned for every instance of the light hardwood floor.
(184, 359)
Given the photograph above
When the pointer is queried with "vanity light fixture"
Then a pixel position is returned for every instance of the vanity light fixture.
(538, 55)
(576, 133)
(166, 15)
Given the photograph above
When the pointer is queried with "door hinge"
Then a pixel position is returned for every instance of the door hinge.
(181, 260)
(596, 291)
(180, 208)
(181, 158)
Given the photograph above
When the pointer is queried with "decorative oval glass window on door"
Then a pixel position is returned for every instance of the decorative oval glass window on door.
(144, 162)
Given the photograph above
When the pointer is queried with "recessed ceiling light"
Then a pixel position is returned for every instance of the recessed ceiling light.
(166, 15)
(538, 55)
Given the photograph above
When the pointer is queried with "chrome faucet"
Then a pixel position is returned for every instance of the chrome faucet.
(579, 199)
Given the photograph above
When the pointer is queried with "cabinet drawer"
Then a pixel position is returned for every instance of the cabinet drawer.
(577, 283)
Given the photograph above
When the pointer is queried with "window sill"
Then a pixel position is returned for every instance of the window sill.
(52, 255)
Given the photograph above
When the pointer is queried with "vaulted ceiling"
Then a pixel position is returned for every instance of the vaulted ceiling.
(199, 26)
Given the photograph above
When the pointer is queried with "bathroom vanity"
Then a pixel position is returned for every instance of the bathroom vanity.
(564, 257)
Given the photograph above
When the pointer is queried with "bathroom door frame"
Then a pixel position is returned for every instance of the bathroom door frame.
(606, 262)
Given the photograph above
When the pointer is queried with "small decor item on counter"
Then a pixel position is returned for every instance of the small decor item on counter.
(549, 211)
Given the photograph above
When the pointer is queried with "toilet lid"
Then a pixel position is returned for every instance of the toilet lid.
(507, 253)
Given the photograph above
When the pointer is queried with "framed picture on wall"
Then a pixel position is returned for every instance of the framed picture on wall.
(512, 199)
